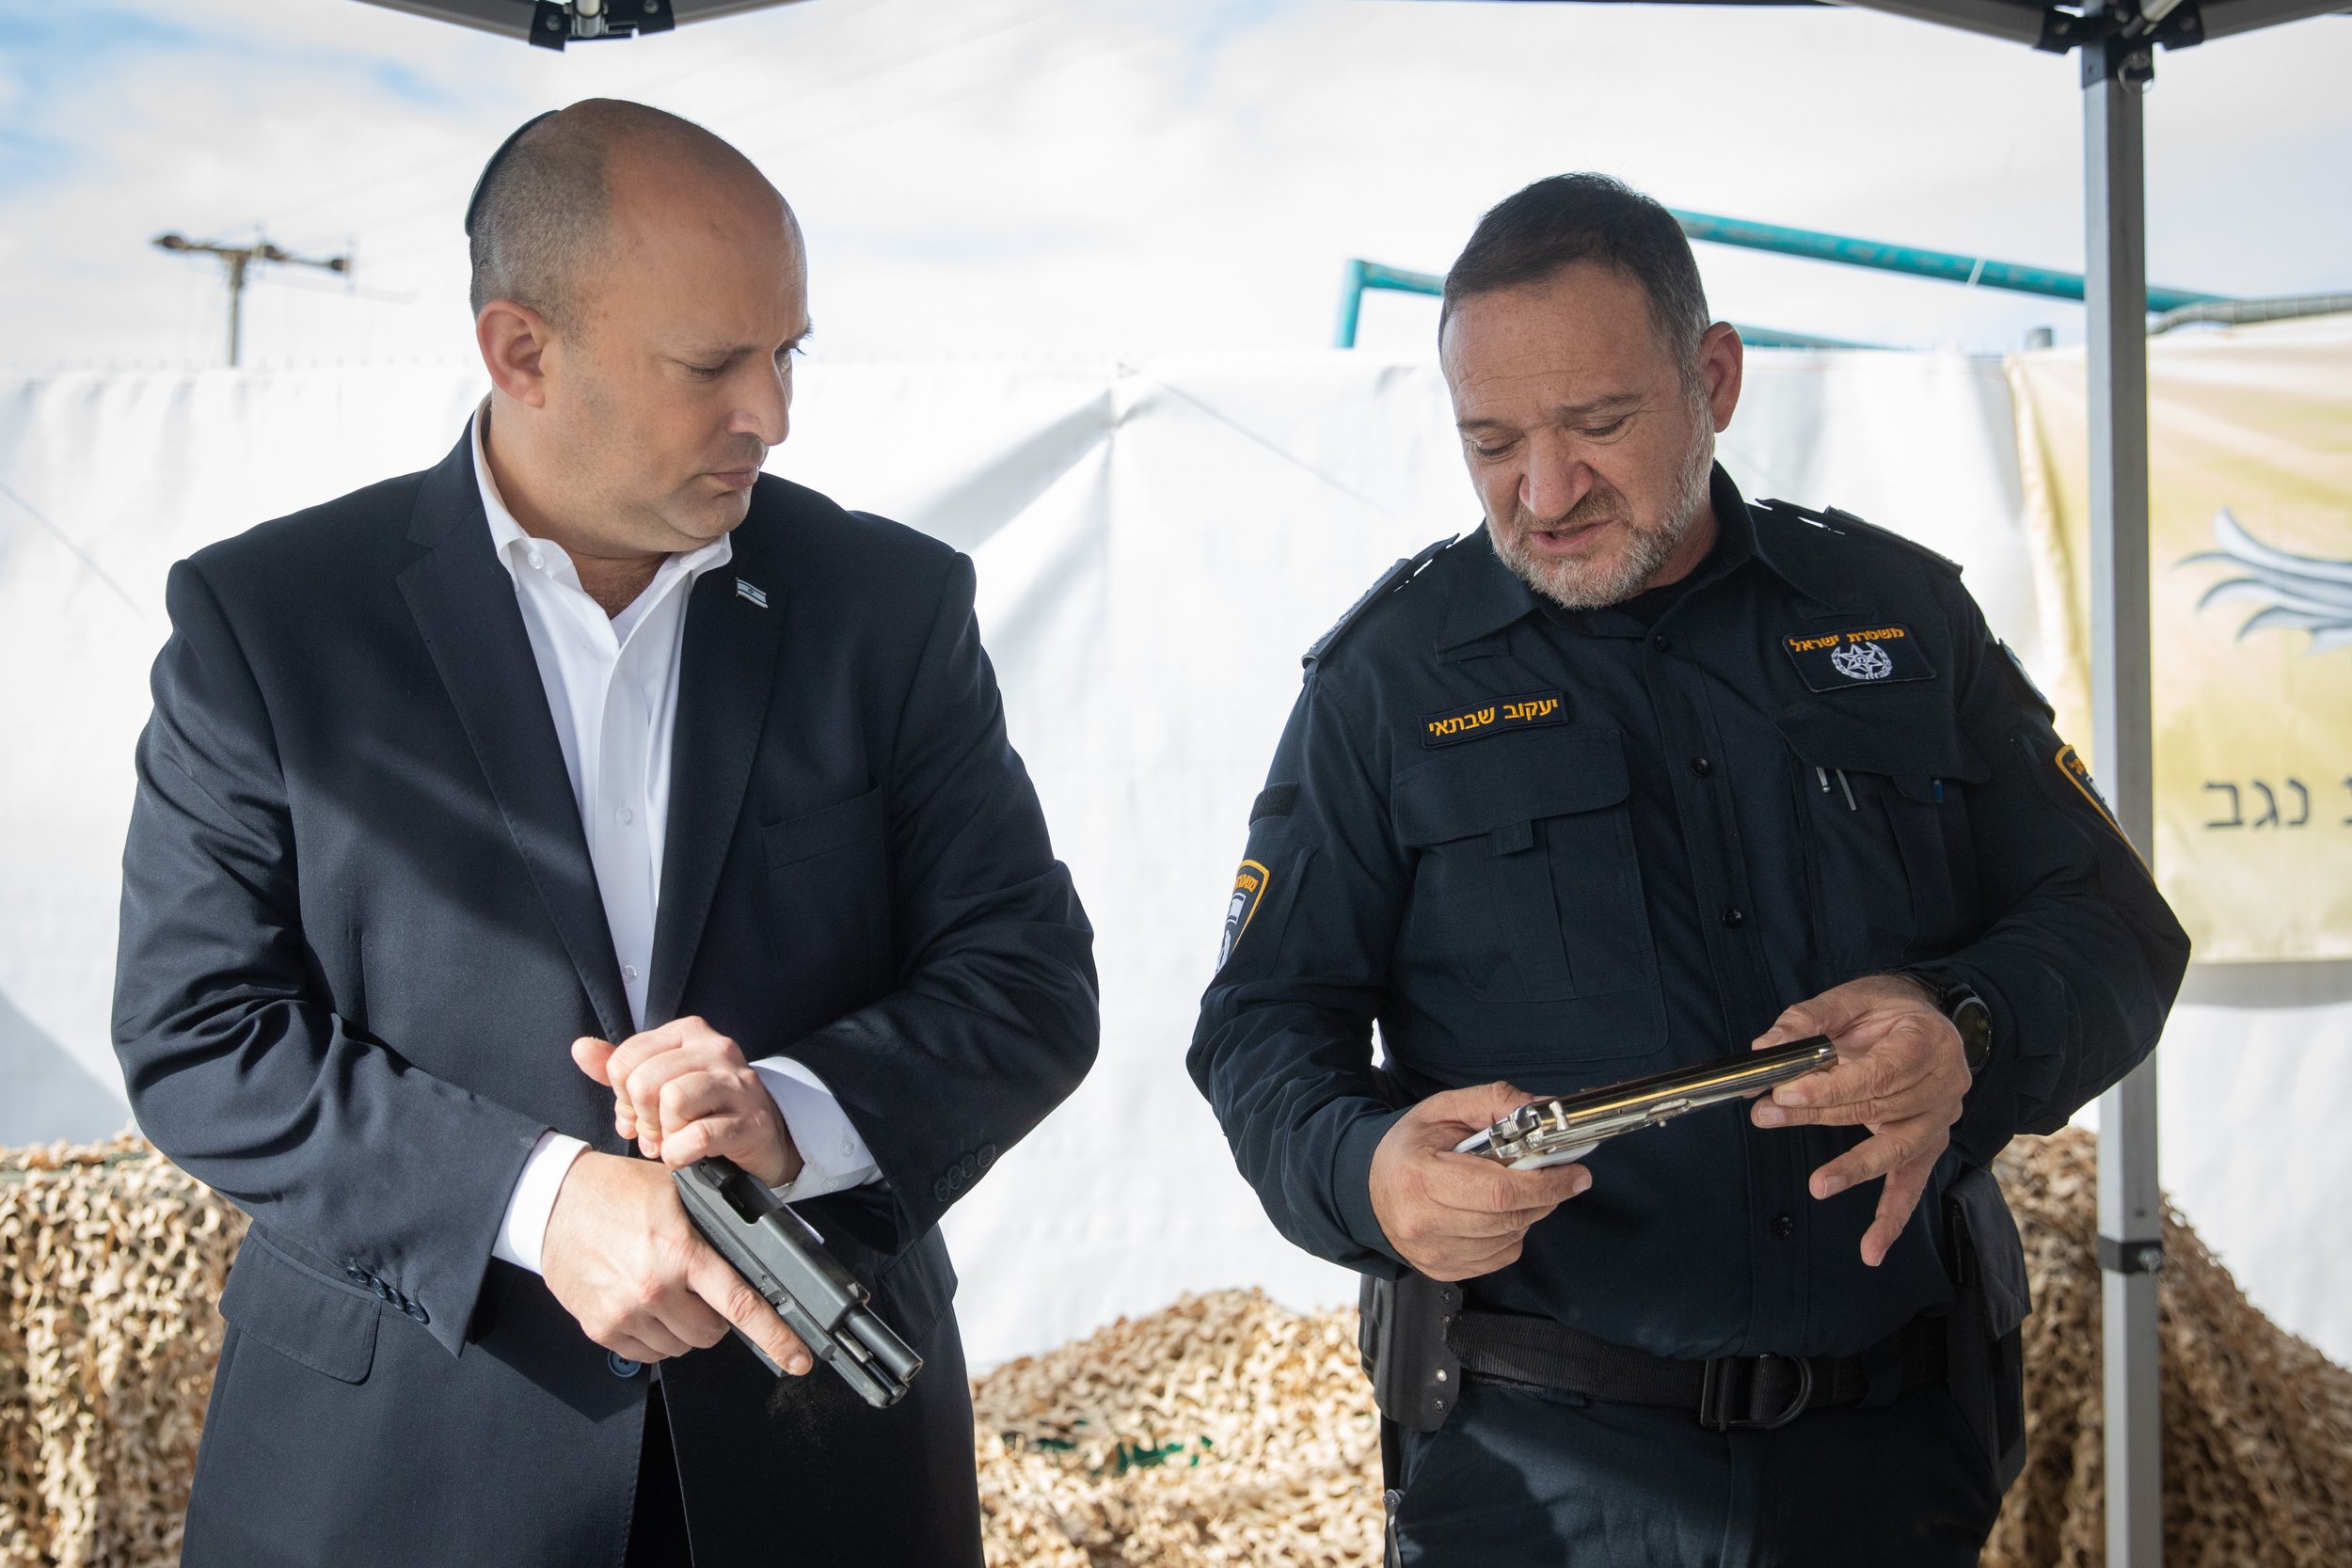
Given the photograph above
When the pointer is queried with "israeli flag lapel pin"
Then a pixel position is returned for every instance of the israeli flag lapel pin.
(745, 591)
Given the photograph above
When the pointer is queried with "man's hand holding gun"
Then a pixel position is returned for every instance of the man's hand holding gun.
(657, 1260)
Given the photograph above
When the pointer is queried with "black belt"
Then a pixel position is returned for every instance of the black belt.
(1737, 1392)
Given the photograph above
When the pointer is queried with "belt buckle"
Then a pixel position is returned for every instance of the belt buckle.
(1721, 1392)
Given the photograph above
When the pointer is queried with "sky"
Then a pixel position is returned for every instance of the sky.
(1101, 179)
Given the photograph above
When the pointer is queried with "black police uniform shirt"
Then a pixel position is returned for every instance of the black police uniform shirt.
(1566, 848)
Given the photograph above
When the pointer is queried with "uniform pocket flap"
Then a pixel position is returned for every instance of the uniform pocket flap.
(1512, 778)
(831, 828)
(1912, 741)
(326, 1325)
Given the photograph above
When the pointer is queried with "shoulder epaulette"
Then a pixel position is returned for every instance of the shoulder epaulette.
(1832, 521)
(1391, 580)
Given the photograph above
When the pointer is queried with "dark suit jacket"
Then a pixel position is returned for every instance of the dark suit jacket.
(360, 928)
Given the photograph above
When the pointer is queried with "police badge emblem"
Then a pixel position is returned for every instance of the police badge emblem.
(1861, 661)
(1864, 656)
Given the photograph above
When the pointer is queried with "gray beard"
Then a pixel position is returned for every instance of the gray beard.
(1581, 586)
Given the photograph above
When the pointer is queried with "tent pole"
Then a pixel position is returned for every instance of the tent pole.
(2130, 1220)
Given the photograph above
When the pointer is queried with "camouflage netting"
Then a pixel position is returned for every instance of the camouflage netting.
(1223, 1430)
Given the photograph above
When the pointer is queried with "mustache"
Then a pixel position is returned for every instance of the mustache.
(1600, 504)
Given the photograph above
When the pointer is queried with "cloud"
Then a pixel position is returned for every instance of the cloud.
(1093, 177)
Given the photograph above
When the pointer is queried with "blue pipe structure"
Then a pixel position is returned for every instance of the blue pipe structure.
(1362, 275)
(1973, 271)
(1976, 272)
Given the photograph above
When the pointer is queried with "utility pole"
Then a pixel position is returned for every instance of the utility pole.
(238, 259)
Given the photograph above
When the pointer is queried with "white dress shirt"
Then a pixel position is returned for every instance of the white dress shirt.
(611, 685)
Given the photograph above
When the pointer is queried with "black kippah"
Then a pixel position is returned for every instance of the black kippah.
(473, 203)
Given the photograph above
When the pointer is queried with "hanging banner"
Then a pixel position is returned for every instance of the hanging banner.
(2251, 588)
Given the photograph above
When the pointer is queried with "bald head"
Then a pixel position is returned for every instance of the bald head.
(545, 226)
(639, 293)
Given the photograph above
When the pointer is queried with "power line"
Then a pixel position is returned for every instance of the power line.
(79, 554)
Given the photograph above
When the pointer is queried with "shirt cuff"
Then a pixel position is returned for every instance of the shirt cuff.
(832, 1157)
(523, 1234)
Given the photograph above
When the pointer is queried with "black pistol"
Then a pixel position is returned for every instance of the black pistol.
(786, 1262)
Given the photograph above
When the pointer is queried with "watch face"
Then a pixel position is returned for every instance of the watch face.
(1974, 1021)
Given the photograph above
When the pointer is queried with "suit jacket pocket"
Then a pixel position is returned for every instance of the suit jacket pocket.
(827, 830)
(326, 1323)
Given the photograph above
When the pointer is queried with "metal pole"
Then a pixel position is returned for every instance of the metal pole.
(2130, 1220)
(1351, 303)
(237, 260)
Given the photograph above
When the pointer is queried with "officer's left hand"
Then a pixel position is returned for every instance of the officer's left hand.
(1902, 1073)
(685, 1093)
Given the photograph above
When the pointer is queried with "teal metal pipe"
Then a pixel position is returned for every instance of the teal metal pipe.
(1362, 275)
(1942, 264)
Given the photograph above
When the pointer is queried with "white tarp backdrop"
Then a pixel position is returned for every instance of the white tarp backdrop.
(1155, 545)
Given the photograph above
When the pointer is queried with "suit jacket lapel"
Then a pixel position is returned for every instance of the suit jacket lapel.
(725, 674)
(464, 603)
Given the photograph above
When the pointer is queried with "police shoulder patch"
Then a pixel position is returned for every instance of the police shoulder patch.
(1250, 885)
(1861, 656)
(1493, 717)
(1388, 582)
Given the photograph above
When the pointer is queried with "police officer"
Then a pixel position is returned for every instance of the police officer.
(1635, 776)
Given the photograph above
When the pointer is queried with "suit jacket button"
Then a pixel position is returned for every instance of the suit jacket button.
(988, 1155)
(619, 1365)
(942, 1190)
(416, 1311)
(356, 1275)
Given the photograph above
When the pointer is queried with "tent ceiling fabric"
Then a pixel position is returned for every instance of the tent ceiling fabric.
(513, 17)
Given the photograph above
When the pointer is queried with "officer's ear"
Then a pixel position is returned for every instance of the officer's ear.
(1722, 358)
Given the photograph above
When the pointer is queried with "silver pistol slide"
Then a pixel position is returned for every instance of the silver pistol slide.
(1553, 1132)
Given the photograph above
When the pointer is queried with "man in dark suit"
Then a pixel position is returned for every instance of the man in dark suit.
(591, 733)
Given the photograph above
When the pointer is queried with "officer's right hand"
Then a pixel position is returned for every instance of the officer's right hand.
(629, 1267)
(1456, 1216)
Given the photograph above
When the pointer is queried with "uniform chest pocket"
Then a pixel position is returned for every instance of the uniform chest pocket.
(1883, 815)
(1526, 876)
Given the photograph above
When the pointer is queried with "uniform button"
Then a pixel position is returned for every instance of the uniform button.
(619, 1365)
(1735, 918)
(1784, 1226)
(1662, 642)
(1701, 767)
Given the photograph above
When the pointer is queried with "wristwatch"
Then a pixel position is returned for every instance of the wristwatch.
(1957, 1000)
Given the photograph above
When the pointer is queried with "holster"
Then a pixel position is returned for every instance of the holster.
(1401, 1333)
(1985, 1345)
